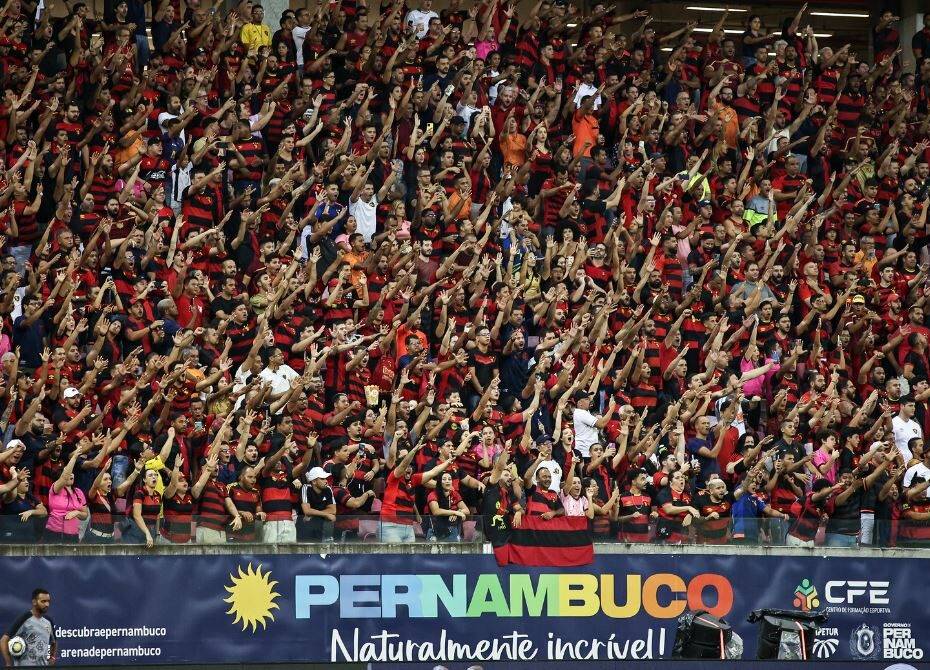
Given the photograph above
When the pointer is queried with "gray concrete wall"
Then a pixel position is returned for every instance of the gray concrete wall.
(435, 549)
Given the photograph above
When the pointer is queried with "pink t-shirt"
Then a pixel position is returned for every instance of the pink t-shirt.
(574, 506)
(60, 504)
(756, 386)
(485, 47)
(821, 457)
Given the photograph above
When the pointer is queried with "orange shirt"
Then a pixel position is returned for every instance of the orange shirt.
(356, 276)
(459, 213)
(124, 155)
(513, 147)
(730, 120)
(585, 128)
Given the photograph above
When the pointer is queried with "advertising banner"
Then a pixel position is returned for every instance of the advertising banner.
(436, 609)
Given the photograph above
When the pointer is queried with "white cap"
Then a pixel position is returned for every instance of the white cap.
(12, 444)
(317, 473)
(71, 392)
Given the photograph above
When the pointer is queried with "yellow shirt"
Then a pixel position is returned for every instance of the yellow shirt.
(255, 35)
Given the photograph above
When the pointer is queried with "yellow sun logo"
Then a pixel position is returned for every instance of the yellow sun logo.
(251, 597)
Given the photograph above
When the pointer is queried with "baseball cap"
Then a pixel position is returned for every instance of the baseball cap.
(704, 203)
(542, 439)
(317, 473)
(858, 299)
(12, 444)
(71, 392)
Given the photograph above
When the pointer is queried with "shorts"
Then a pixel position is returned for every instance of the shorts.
(279, 532)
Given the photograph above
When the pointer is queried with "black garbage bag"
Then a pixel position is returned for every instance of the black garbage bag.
(702, 635)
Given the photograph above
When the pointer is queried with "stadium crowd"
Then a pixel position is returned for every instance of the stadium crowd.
(420, 266)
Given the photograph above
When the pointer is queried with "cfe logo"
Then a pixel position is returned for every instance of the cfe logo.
(858, 593)
(806, 597)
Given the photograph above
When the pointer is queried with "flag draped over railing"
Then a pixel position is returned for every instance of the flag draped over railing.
(560, 542)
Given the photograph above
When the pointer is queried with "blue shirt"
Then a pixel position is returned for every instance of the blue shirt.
(325, 211)
(709, 465)
(746, 512)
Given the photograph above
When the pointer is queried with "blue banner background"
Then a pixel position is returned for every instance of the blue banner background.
(171, 609)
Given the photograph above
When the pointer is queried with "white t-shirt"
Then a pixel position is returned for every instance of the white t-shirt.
(465, 111)
(420, 21)
(903, 432)
(364, 213)
(300, 34)
(916, 470)
(180, 181)
(587, 89)
(240, 379)
(556, 471)
(279, 379)
(492, 91)
(585, 431)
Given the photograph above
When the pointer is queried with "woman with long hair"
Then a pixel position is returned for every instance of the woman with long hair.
(177, 526)
(20, 511)
(675, 510)
(101, 501)
(67, 505)
(146, 506)
(447, 509)
(605, 512)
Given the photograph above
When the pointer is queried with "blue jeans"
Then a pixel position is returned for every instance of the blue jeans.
(133, 535)
(119, 470)
(840, 540)
(778, 529)
(142, 51)
(397, 532)
(454, 534)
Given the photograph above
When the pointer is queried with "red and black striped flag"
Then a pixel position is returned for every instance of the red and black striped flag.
(564, 541)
